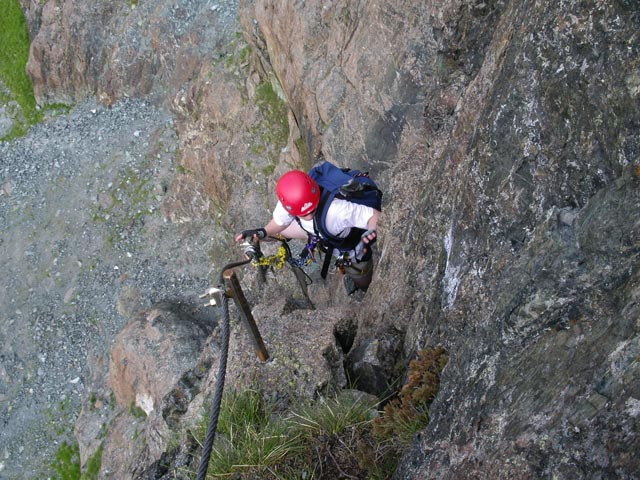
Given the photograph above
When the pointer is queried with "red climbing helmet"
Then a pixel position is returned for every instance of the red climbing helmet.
(298, 193)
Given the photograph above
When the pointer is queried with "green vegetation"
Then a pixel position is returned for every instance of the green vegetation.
(13, 59)
(67, 463)
(237, 56)
(332, 415)
(340, 437)
(274, 110)
(271, 134)
(124, 203)
(254, 442)
(60, 420)
(16, 91)
(181, 169)
(59, 417)
(248, 440)
(339, 440)
(92, 468)
(302, 148)
(137, 412)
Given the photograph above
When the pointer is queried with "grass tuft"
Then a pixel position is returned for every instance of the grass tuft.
(329, 438)
(249, 441)
(338, 437)
(330, 416)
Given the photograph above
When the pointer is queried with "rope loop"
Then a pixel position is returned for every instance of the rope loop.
(276, 260)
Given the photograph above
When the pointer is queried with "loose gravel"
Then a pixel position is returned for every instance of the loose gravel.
(83, 246)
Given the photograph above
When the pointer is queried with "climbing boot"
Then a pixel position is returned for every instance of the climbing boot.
(349, 285)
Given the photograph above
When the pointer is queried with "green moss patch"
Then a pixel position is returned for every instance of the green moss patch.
(67, 462)
(66, 465)
(271, 134)
(14, 53)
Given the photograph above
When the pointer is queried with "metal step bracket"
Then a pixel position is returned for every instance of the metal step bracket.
(215, 294)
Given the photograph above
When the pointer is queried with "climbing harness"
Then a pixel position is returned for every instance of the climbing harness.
(307, 256)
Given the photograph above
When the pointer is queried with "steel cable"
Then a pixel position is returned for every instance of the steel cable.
(222, 370)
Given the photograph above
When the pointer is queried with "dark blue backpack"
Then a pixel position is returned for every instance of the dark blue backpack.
(351, 185)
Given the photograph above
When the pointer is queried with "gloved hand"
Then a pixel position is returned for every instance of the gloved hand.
(367, 239)
(258, 232)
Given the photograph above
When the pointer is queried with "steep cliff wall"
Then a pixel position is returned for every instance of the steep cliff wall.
(508, 138)
(504, 134)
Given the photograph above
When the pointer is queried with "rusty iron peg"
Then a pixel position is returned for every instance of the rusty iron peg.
(234, 291)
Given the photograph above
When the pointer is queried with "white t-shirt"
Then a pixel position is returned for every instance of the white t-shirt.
(341, 217)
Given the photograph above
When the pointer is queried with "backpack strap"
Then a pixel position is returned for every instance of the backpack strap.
(327, 260)
(320, 217)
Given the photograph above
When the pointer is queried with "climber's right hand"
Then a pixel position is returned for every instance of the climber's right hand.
(257, 233)
(367, 239)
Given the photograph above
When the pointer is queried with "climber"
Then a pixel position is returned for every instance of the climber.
(341, 224)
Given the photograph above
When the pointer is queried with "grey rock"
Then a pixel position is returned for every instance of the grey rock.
(504, 135)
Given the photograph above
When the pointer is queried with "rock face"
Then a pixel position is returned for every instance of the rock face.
(126, 49)
(353, 73)
(493, 246)
(153, 375)
(505, 137)
(152, 352)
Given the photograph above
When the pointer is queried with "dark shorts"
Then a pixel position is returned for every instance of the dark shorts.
(361, 273)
